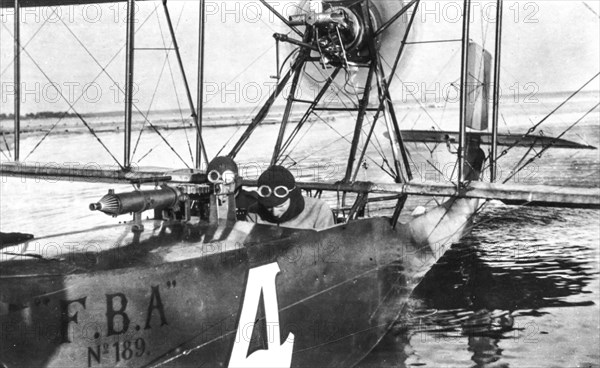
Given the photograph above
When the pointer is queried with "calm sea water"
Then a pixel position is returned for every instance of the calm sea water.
(521, 290)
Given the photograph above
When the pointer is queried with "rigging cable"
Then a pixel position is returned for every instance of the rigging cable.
(590, 9)
(533, 128)
(483, 32)
(424, 110)
(307, 114)
(337, 92)
(103, 70)
(256, 107)
(4, 154)
(339, 89)
(532, 123)
(298, 141)
(32, 37)
(91, 130)
(447, 97)
(7, 148)
(344, 137)
(168, 62)
(505, 123)
(240, 73)
(155, 90)
(413, 96)
(116, 84)
(537, 155)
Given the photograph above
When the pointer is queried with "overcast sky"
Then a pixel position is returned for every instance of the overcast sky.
(553, 45)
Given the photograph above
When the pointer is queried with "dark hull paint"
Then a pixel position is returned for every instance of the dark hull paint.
(172, 301)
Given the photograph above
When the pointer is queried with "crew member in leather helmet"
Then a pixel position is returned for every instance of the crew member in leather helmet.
(280, 202)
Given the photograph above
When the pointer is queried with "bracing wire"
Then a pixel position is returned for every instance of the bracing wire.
(590, 9)
(121, 90)
(535, 126)
(539, 154)
(102, 71)
(337, 92)
(31, 38)
(175, 89)
(344, 137)
(71, 107)
(167, 63)
(153, 93)
(4, 154)
(7, 147)
(483, 32)
(249, 115)
(414, 97)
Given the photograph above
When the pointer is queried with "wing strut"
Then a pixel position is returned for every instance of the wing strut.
(463, 89)
(17, 78)
(129, 59)
(496, 98)
(200, 148)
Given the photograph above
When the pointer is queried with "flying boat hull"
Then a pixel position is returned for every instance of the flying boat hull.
(114, 298)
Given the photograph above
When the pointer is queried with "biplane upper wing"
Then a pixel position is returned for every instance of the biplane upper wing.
(100, 174)
(40, 3)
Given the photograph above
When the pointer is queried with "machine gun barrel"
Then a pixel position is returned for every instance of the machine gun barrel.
(137, 201)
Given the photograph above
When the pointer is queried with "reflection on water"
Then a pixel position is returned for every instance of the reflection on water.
(492, 299)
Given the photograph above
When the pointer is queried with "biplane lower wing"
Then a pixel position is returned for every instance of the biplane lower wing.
(518, 140)
(533, 195)
(512, 194)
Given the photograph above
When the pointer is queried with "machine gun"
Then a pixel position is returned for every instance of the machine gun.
(207, 198)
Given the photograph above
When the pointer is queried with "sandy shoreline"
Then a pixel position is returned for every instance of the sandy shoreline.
(73, 125)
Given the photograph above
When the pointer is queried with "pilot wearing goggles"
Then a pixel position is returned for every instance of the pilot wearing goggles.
(280, 202)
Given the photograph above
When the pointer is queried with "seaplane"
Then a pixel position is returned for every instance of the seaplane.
(196, 285)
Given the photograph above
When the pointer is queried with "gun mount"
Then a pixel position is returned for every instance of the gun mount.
(206, 198)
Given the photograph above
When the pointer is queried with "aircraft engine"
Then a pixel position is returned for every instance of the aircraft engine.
(339, 32)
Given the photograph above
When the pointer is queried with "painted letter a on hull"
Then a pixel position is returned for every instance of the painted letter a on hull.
(261, 279)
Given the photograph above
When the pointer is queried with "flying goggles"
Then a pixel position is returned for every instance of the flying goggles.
(280, 191)
(227, 177)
